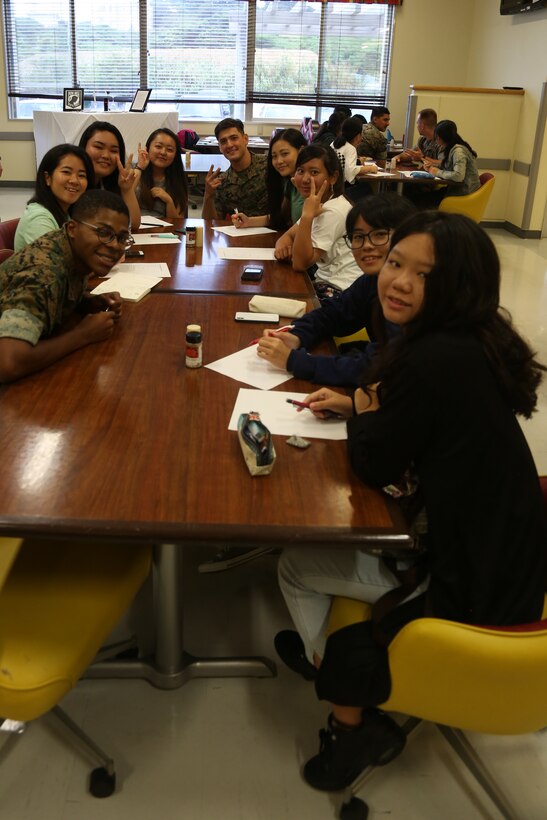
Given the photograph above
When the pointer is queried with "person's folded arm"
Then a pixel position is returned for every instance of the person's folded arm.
(340, 371)
(382, 444)
(304, 255)
(457, 174)
(19, 358)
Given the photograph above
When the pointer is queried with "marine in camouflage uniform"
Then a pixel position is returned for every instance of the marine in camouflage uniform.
(429, 148)
(244, 190)
(373, 144)
(40, 288)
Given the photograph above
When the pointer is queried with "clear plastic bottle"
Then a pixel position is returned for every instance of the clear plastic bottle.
(194, 344)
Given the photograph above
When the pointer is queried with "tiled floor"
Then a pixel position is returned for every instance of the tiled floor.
(224, 749)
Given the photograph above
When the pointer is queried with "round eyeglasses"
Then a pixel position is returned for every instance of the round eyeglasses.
(106, 235)
(380, 236)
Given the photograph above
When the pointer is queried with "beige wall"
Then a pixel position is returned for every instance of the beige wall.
(511, 50)
(430, 47)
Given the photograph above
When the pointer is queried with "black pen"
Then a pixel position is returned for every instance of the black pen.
(179, 230)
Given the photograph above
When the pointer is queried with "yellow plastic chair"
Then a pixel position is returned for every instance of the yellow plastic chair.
(57, 605)
(478, 679)
(471, 205)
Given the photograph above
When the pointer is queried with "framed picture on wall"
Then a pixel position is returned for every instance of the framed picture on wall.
(73, 99)
(140, 99)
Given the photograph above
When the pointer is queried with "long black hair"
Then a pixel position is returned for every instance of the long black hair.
(175, 178)
(109, 183)
(461, 294)
(350, 129)
(51, 160)
(447, 130)
(330, 160)
(278, 204)
(331, 126)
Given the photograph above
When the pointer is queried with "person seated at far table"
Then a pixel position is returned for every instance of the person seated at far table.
(369, 226)
(345, 146)
(243, 185)
(46, 311)
(458, 167)
(374, 141)
(330, 129)
(318, 236)
(284, 201)
(162, 189)
(458, 164)
(64, 173)
(427, 145)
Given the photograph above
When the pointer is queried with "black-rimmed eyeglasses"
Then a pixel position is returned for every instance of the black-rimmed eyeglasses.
(379, 236)
(106, 235)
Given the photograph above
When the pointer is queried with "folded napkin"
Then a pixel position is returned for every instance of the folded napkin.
(291, 308)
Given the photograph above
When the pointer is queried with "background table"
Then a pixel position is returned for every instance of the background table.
(54, 127)
(200, 163)
(209, 145)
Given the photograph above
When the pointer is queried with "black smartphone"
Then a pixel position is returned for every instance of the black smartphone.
(252, 273)
(132, 253)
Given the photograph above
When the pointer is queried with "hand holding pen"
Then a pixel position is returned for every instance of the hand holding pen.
(240, 220)
(270, 332)
(325, 403)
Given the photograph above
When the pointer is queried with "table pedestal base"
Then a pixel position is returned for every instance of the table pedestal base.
(192, 667)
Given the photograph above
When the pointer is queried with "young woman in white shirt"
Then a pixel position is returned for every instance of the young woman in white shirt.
(318, 236)
(345, 146)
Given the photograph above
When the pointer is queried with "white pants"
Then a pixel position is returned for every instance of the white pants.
(310, 578)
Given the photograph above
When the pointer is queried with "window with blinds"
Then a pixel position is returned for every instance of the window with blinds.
(267, 59)
(313, 55)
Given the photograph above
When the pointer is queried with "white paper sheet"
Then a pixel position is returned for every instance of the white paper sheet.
(245, 253)
(153, 269)
(156, 239)
(155, 221)
(282, 419)
(245, 366)
(231, 230)
(129, 286)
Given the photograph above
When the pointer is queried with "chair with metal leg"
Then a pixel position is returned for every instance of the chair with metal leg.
(58, 603)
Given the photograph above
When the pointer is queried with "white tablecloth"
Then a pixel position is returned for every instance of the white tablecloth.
(54, 127)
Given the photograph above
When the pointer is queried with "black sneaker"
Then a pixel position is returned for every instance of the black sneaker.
(344, 753)
(290, 648)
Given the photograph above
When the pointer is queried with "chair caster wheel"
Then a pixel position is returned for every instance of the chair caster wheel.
(102, 784)
(356, 809)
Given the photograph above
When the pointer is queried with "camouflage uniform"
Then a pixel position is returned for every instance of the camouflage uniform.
(373, 144)
(39, 288)
(429, 148)
(244, 190)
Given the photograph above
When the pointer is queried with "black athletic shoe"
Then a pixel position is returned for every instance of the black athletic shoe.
(344, 753)
(290, 648)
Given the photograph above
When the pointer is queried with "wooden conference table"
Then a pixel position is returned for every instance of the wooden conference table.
(201, 269)
(121, 441)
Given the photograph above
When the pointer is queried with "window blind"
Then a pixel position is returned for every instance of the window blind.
(322, 53)
(233, 53)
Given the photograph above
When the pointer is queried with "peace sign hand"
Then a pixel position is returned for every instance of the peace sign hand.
(127, 176)
(143, 158)
(313, 204)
